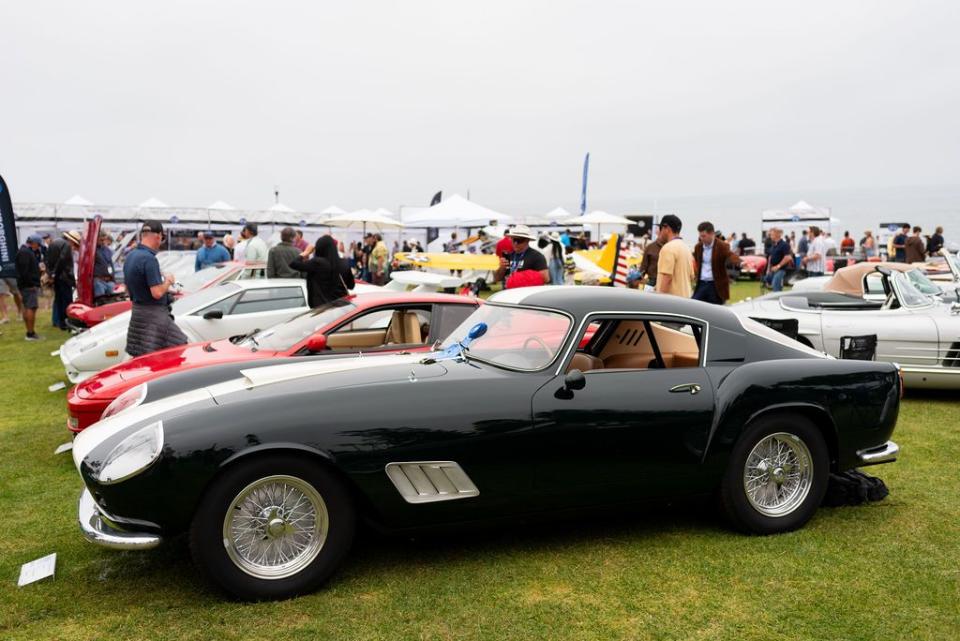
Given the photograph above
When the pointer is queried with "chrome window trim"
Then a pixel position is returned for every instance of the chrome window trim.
(586, 320)
(553, 310)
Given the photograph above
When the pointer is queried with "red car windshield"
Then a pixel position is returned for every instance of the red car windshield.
(285, 335)
(516, 337)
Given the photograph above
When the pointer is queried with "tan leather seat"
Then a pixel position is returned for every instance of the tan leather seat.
(411, 328)
(627, 361)
(395, 329)
(584, 362)
(682, 359)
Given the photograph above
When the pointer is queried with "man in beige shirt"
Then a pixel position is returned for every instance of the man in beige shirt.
(675, 266)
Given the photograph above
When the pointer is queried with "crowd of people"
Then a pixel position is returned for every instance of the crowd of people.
(667, 264)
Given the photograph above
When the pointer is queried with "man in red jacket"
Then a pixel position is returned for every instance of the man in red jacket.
(712, 255)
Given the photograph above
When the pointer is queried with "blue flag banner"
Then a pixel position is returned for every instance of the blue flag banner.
(8, 234)
(583, 192)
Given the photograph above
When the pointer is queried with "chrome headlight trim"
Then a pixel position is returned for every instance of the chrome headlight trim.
(112, 409)
(132, 455)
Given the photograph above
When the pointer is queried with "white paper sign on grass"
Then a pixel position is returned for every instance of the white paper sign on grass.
(36, 570)
(64, 447)
(57, 386)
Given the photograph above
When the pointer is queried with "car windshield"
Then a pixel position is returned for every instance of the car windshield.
(198, 280)
(923, 284)
(202, 298)
(516, 337)
(286, 335)
(907, 294)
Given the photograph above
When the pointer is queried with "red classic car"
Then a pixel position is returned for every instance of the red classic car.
(375, 322)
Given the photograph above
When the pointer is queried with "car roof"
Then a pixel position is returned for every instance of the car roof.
(255, 283)
(581, 300)
(387, 297)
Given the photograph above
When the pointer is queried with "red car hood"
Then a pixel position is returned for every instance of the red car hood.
(85, 258)
(115, 380)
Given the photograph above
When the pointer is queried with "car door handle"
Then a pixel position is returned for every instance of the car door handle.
(693, 388)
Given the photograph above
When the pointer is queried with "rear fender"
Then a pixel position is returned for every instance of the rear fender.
(856, 395)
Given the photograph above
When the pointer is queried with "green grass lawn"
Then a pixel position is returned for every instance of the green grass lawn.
(889, 570)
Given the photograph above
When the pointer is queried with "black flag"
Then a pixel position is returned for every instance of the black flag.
(8, 234)
(437, 197)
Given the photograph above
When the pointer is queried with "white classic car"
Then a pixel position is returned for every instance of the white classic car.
(229, 309)
(863, 279)
(918, 332)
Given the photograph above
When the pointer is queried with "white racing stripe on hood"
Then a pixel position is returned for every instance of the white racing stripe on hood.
(270, 374)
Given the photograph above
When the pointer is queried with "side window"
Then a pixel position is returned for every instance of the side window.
(639, 343)
(268, 299)
(378, 319)
(874, 283)
(224, 305)
(447, 318)
(385, 327)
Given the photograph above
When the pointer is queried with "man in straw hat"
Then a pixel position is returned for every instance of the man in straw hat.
(59, 267)
(523, 258)
(151, 324)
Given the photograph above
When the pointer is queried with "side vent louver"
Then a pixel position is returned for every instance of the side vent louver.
(431, 481)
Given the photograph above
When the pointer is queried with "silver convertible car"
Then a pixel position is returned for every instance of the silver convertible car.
(917, 331)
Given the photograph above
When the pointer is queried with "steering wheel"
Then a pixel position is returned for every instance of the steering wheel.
(538, 340)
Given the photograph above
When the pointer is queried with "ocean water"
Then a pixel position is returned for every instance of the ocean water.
(856, 209)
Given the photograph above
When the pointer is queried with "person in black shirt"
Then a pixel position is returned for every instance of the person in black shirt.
(28, 282)
(523, 258)
(935, 242)
(151, 323)
(328, 276)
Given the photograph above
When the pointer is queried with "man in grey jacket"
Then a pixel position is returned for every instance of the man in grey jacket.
(280, 256)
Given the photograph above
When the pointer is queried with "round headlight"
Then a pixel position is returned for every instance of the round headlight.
(133, 455)
(131, 398)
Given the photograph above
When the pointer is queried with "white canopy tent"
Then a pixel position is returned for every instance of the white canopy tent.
(78, 200)
(598, 218)
(799, 216)
(333, 210)
(455, 211)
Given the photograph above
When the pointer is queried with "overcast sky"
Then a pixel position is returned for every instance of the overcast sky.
(376, 104)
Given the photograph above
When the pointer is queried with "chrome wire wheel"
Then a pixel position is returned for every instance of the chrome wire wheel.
(275, 527)
(778, 474)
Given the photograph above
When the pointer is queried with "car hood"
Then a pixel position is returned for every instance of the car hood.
(328, 373)
(113, 381)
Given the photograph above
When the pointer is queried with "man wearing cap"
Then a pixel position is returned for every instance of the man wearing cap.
(675, 261)
(523, 258)
(151, 325)
(28, 282)
(211, 253)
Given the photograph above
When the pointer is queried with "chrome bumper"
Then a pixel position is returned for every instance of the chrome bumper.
(97, 529)
(886, 453)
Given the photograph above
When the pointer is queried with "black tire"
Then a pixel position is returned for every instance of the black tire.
(734, 501)
(207, 541)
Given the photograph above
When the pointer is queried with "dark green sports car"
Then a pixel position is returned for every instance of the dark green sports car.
(545, 399)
